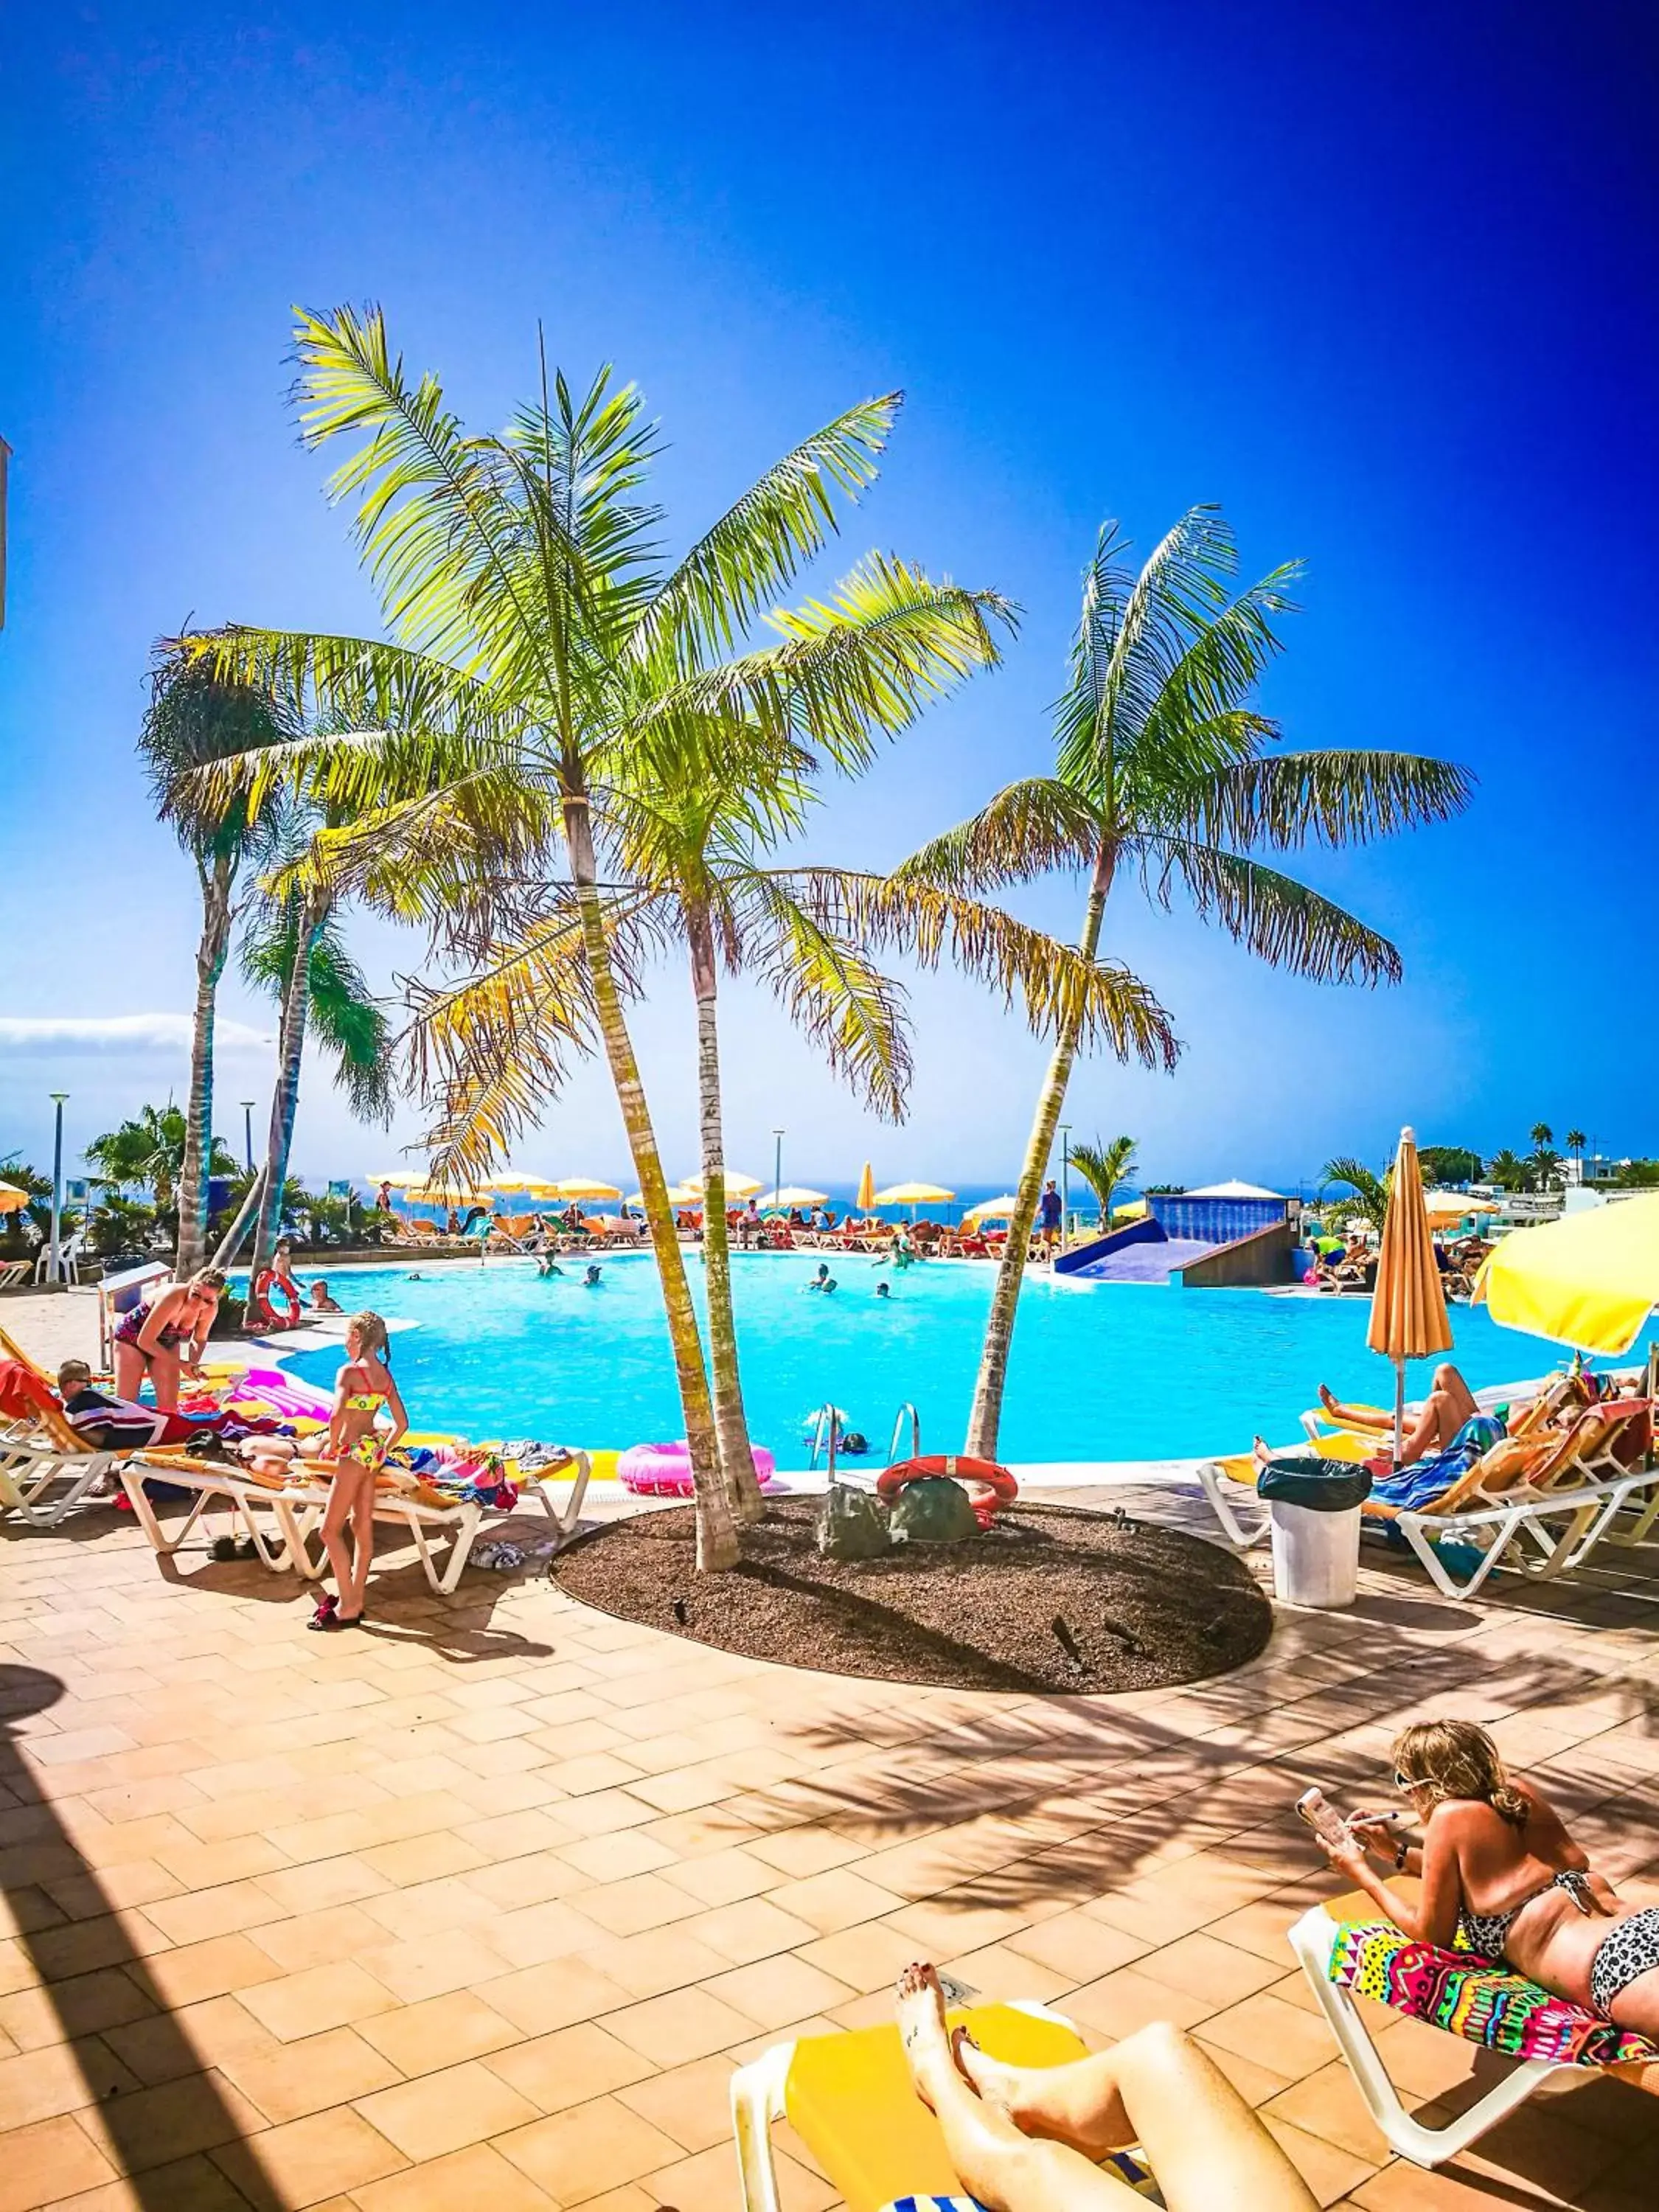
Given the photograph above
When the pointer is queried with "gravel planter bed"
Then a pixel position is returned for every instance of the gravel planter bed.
(1052, 1600)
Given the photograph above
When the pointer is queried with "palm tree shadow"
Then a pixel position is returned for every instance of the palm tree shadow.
(169, 2101)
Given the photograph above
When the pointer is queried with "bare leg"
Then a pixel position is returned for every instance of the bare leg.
(130, 1368)
(340, 1501)
(1353, 1417)
(363, 1530)
(1002, 2167)
(1157, 2090)
(164, 1379)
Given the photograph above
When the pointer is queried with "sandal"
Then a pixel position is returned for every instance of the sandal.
(327, 1615)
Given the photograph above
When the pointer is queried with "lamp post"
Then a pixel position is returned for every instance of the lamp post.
(248, 1131)
(777, 1163)
(1064, 1180)
(53, 1263)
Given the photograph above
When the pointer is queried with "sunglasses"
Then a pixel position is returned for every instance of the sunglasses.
(1406, 1781)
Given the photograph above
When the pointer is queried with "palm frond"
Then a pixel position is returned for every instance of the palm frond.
(759, 544)
(1028, 829)
(832, 991)
(1332, 796)
(1276, 918)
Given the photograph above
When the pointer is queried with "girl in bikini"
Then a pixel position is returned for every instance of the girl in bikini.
(1497, 1864)
(352, 1450)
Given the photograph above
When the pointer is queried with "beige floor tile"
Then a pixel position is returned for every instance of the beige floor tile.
(424, 2038)
(37, 2085)
(1077, 1945)
(707, 2182)
(185, 2184)
(1330, 2171)
(445, 2111)
(590, 2149)
(51, 2160)
(150, 2127)
(1121, 2001)
(1264, 2027)
(220, 1968)
(684, 2024)
(306, 2161)
(692, 2102)
(321, 1997)
(775, 1990)
(569, 2066)
(478, 2177)
(839, 1898)
(1208, 1968)
(661, 1959)
(539, 1999)
(631, 1906)
(754, 1928)
(296, 2079)
(432, 1966)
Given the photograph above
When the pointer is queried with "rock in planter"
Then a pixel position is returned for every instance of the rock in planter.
(852, 1525)
(935, 1510)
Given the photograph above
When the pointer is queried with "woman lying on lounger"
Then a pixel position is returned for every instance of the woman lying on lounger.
(1030, 2139)
(1450, 1403)
(1497, 1864)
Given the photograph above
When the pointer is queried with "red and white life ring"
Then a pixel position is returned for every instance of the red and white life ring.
(989, 1486)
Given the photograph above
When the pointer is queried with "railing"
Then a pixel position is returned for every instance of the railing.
(898, 1429)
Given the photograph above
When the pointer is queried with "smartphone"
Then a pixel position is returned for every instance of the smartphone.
(1321, 1817)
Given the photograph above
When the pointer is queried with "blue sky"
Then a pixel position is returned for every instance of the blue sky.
(1380, 281)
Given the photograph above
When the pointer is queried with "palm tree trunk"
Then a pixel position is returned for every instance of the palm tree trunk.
(193, 1172)
(717, 1532)
(230, 1242)
(285, 1097)
(731, 1428)
(986, 1418)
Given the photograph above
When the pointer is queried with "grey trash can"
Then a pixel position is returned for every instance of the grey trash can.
(1313, 1508)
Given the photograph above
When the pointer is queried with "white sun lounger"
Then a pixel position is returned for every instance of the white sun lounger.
(254, 1507)
(43, 1480)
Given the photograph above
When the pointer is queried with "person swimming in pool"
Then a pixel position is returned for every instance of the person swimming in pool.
(826, 1285)
(591, 1279)
(821, 1277)
(549, 1267)
(883, 1291)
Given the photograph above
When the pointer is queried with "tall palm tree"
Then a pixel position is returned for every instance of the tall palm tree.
(1576, 1143)
(537, 638)
(1162, 763)
(1542, 1135)
(193, 718)
(1508, 1171)
(695, 824)
(1104, 1168)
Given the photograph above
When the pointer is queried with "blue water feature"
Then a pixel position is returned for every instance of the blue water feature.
(1118, 1371)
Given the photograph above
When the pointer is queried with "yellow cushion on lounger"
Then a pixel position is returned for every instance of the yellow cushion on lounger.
(1243, 1466)
(851, 2100)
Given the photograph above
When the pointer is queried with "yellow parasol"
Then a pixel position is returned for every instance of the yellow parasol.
(1408, 1309)
(12, 1200)
(792, 1194)
(404, 1179)
(437, 1195)
(1444, 1206)
(583, 1187)
(865, 1197)
(515, 1181)
(1590, 1279)
(737, 1186)
(1135, 1210)
(914, 1193)
(679, 1193)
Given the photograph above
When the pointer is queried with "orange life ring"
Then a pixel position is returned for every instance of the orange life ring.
(989, 1486)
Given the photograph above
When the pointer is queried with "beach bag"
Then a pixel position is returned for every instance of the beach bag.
(852, 1525)
(936, 1511)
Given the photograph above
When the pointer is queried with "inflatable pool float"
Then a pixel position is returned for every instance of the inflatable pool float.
(664, 1470)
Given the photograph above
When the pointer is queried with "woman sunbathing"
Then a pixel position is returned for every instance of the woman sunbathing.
(1498, 1866)
(351, 1451)
(1030, 2139)
(1450, 1403)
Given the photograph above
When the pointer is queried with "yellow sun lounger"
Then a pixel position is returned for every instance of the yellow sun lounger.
(851, 2100)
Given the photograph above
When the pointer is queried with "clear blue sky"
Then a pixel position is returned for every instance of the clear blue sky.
(1380, 281)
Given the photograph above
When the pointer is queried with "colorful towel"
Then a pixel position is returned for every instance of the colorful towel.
(1469, 1997)
(1120, 2164)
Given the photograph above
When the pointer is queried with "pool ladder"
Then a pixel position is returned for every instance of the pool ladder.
(826, 1435)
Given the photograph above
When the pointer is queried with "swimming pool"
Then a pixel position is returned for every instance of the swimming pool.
(1105, 1371)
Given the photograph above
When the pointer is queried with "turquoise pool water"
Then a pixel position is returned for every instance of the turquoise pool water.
(1099, 1371)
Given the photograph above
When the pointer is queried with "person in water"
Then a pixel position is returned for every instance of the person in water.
(1497, 1866)
(322, 1301)
(1030, 2138)
(1449, 1404)
(548, 1267)
(821, 1277)
(591, 1279)
(827, 1285)
(882, 1290)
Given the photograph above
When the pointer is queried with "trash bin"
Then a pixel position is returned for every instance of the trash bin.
(1313, 1506)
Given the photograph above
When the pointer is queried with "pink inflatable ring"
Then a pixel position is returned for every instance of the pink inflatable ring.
(664, 1470)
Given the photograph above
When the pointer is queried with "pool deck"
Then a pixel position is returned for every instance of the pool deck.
(482, 1905)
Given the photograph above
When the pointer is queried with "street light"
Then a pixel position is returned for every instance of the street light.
(1065, 1179)
(52, 1264)
(247, 1106)
(777, 1164)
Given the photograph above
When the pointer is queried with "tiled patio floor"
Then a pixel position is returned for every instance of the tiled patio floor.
(480, 1906)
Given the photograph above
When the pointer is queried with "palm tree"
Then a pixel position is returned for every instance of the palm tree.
(1161, 763)
(329, 1002)
(1542, 1134)
(1544, 1168)
(540, 639)
(1104, 1168)
(1576, 1143)
(1369, 1199)
(1508, 1171)
(694, 825)
(194, 719)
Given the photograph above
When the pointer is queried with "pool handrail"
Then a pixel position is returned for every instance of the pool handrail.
(898, 1428)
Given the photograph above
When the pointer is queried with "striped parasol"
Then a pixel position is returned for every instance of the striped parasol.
(1408, 1309)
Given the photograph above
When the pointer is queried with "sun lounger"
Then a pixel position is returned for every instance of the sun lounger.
(263, 1511)
(850, 2099)
(1550, 2040)
(47, 1469)
(13, 1273)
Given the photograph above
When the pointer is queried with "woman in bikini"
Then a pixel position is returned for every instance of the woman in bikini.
(1450, 1403)
(1031, 2139)
(149, 1340)
(1497, 1864)
(351, 1451)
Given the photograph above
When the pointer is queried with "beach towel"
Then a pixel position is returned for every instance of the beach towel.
(1415, 1487)
(1122, 2165)
(1484, 2004)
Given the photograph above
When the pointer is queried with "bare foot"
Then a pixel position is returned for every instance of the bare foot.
(1326, 1398)
(922, 2029)
(996, 2082)
(1260, 1451)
